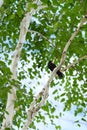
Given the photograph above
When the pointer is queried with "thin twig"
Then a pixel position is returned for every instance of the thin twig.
(32, 31)
(74, 63)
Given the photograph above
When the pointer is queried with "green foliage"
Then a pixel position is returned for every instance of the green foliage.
(24, 99)
(31, 5)
(6, 83)
(7, 128)
(5, 80)
(56, 23)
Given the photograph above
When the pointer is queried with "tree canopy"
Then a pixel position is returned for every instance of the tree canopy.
(48, 33)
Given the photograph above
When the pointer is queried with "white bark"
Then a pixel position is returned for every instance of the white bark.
(7, 121)
(1, 2)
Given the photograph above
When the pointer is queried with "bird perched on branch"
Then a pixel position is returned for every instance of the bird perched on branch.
(52, 66)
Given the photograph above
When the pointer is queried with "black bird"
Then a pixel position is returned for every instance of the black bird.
(51, 66)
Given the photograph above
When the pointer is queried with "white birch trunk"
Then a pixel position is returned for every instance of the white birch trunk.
(7, 121)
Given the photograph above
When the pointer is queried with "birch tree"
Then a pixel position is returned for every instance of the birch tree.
(33, 33)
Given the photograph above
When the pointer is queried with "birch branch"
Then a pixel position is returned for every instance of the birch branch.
(45, 91)
(7, 121)
(71, 39)
(74, 63)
